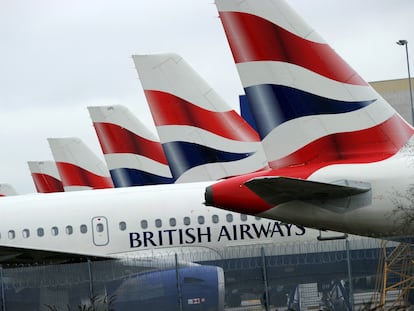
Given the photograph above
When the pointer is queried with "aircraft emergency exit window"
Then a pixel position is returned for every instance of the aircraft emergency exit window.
(158, 223)
(40, 232)
(99, 227)
(69, 230)
(215, 219)
(243, 217)
(200, 220)
(122, 226)
(173, 222)
(54, 231)
(25, 233)
(229, 218)
(11, 234)
(144, 224)
(187, 221)
(83, 229)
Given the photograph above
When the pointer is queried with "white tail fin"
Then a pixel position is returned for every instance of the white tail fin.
(79, 168)
(7, 190)
(133, 154)
(309, 105)
(45, 176)
(202, 137)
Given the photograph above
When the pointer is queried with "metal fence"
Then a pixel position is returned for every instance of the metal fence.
(202, 279)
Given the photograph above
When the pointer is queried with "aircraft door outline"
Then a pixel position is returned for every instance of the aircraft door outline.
(100, 231)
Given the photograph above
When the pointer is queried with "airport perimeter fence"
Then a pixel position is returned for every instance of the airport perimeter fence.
(269, 274)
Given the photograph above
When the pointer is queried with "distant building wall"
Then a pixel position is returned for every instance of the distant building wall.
(397, 93)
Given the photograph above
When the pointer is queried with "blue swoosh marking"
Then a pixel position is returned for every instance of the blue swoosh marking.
(183, 156)
(127, 177)
(272, 105)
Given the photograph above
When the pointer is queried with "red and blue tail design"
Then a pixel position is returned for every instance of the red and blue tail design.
(79, 168)
(45, 176)
(202, 137)
(308, 104)
(133, 154)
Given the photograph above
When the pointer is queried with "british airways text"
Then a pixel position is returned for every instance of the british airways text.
(195, 235)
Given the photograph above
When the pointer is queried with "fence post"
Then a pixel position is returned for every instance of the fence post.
(177, 275)
(348, 261)
(92, 298)
(266, 285)
(3, 296)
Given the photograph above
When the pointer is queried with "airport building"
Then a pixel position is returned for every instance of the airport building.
(397, 93)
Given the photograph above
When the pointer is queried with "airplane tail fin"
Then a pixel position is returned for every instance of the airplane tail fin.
(133, 154)
(7, 190)
(309, 105)
(45, 176)
(202, 137)
(79, 168)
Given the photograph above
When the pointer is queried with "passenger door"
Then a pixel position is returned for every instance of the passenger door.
(100, 231)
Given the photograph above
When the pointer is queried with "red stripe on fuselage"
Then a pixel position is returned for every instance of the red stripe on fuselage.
(253, 38)
(116, 139)
(168, 109)
(73, 175)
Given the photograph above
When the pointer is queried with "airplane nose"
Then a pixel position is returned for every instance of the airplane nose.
(208, 196)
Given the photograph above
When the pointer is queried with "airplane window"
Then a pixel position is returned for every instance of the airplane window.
(83, 229)
(158, 223)
(215, 219)
(26, 233)
(40, 232)
(122, 226)
(54, 231)
(187, 221)
(173, 222)
(99, 227)
(69, 230)
(243, 217)
(257, 218)
(11, 234)
(229, 218)
(144, 224)
(200, 220)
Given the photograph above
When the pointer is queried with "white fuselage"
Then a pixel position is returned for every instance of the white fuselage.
(386, 211)
(145, 220)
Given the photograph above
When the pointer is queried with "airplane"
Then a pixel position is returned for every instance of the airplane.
(133, 154)
(79, 168)
(45, 176)
(143, 222)
(151, 224)
(340, 155)
(7, 190)
(202, 137)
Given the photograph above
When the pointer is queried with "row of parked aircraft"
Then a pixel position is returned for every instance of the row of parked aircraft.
(329, 153)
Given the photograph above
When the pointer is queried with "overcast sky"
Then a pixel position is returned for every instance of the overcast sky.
(58, 57)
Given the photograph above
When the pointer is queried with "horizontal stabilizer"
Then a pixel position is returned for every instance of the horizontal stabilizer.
(277, 190)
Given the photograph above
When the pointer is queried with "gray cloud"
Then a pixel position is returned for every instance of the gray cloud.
(57, 57)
